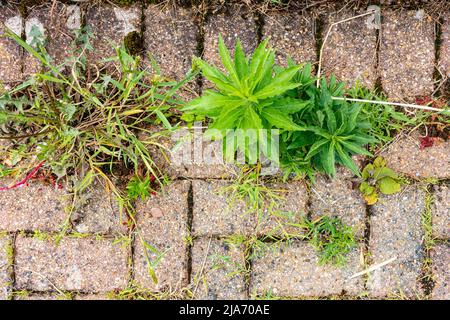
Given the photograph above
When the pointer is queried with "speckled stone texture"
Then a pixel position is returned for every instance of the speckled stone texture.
(171, 38)
(36, 206)
(233, 25)
(405, 156)
(406, 54)
(99, 213)
(214, 215)
(218, 270)
(292, 35)
(350, 51)
(10, 52)
(110, 25)
(27, 296)
(441, 212)
(80, 264)
(289, 209)
(58, 22)
(440, 255)
(336, 197)
(444, 61)
(5, 271)
(293, 271)
(396, 231)
(162, 222)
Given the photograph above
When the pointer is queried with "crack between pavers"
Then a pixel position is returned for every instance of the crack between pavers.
(190, 219)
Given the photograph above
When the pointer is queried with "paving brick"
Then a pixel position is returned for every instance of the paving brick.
(440, 255)
(99, 213)
(350, 51)
(441, 212)
(27, 296)
(406, 61)
(57, 22)
(10, 51)
(218, 270)
(110, 25)
(162, 222)
(288, 210)
(36, 206)
(5, 267)
(444, 61)
(232, 26)
(78, 264)
(214, 215)
(336, 197)
(292, 35)
(405, 156)
(293, 271)
(396, 231)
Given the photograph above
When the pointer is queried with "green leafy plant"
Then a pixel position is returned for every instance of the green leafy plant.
(377, 177)
(139, 187)
(332, 239)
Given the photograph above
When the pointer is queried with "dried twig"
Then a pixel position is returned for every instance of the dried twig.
(373, 268)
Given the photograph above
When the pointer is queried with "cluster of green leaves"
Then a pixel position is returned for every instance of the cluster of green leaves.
(379, 178)
(139, 188)
(332, 239)
(317, 131)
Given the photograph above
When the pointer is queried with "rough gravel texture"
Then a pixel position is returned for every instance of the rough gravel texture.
(293, 271)
(440, 256)
(218, 270)
(350, 50)
(441, 212)
(292, 35)
(406, 54)
(396, 231)
(215, 215)
(10, 52)
(336, 197)
(405, 156)
(444, 62)
(80, 264)
(36, 206)
(5, 267)
(162, 222)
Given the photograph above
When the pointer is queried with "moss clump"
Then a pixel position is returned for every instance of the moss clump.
(133, 43)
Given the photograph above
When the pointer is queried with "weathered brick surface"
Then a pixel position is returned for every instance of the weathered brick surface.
(441, 212)
(235, 25)
(79, 264)
(99, 213)
(5, 267)
(444, 61)
(292, 35)
(171, 38)
(36, 206)
(405, 156)
(396, 231)
(294, 270)
(336, 197)
(110, 25)
(288, 209)
(26, 296)
(350, 51)
(10, 52)
(214, 215)
(440, 255)
(162, 223)
(406, 54)
(218, 270)
(57, 22)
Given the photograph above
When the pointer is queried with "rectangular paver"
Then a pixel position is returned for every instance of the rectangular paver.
(36, 206)
(10, 51)
(396, 232)
(441, 212)
(162, 223)
(5, 266)
(215, 215)
(407, 54)
(350, 51)
(440, 256)
(292, 35)
(218, 270)
(79, 264)
(444, 61)
(293, 271)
